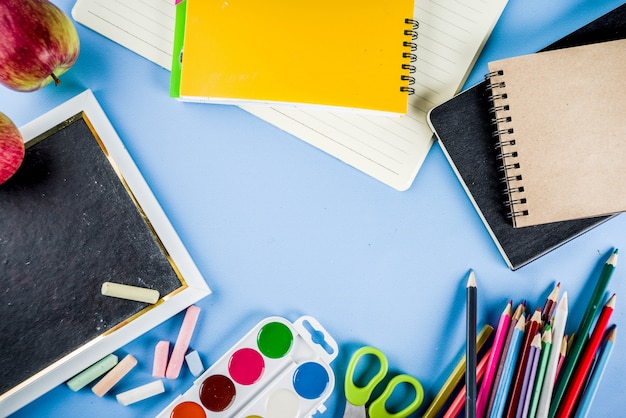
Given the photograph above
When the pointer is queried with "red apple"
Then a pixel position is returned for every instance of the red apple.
(11, 148)
(38, 43)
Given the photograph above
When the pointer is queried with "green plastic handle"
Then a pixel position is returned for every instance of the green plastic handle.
(360, 395)
(378, 408)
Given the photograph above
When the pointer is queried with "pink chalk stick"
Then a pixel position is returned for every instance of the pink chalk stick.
(182, 342)
(161, 353)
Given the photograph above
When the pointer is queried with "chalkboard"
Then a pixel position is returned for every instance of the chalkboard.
(68, 223)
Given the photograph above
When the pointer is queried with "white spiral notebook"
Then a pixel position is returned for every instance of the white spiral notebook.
(390, 149)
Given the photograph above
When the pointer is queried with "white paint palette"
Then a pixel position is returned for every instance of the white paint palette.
(278, 369)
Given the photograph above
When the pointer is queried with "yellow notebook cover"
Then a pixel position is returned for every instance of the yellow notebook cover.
(347, 54)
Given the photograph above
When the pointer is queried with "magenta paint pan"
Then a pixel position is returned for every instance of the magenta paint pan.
(278, 369)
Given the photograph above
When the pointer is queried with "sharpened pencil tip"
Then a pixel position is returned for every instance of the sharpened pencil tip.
(613, 259)
(563, 302)
(611, 334)
(611, 302)
(471, 280)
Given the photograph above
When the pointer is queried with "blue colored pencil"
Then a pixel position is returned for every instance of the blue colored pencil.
(596, 375)
(509, 365)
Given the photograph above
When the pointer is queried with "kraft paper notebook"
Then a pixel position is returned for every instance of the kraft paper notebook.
(561, 127)
(464, 132)
(320, 53)
(390, 149)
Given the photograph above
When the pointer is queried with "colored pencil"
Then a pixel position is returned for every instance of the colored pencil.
(494, 358)
(455, 376)
(582, 332)
(498, 377)
(517, 338)
(547, 389)
(596, 376)
(546, 347)
(470, 350)
(529, 378)
(522, 363)
(550, 305)
(579, 376)
(459, 402)
(562, 355)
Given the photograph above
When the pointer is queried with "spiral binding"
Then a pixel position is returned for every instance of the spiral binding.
(504, 134)
(409, 80)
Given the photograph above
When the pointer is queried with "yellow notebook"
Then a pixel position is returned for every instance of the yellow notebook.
(345, 54)
(561, 127)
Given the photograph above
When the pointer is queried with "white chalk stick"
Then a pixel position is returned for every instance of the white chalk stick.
(114, 375)
(161, 353)
(194, 363)
(182, 342)
(140, 393)
(124, 291)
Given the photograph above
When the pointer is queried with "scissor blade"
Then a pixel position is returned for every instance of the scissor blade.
(353, 411)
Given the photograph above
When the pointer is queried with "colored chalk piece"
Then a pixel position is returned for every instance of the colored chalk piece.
(114, 375)
(161, 354)
(194, 363)
(140, 393)
(91, 373)
(124, 291)
(182, 342)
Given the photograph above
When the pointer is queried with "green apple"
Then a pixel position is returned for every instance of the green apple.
(38, 44)
(11, 148)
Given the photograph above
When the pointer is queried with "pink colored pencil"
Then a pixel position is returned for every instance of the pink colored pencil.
(182, 342)
(459, 402)
(494, 359)
(562, 355)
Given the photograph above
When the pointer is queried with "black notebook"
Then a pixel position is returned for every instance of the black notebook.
(464, 132)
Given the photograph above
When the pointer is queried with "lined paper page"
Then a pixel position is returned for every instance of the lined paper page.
(390, 149)
(143, 26)
(451, 35)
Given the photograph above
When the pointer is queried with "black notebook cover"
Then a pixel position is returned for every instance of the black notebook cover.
(462, 127)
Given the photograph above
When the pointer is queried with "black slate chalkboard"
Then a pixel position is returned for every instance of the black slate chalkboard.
(68, 224)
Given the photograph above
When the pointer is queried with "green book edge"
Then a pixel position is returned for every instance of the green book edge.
(179, 37)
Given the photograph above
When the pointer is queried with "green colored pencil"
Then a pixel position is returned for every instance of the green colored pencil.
(583, 331)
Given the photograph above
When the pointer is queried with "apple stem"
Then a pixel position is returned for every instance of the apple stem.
(56, 79)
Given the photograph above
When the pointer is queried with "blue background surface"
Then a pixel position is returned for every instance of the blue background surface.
(278, 227)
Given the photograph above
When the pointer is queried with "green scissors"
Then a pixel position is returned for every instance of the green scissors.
(356, 396)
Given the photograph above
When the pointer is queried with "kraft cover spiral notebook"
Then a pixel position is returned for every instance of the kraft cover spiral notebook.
(559, 118)
(464, 132)
(356, 55)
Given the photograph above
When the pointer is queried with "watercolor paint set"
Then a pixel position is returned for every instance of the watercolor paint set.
(278, 369)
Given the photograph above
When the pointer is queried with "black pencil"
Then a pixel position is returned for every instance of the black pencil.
(470, 351)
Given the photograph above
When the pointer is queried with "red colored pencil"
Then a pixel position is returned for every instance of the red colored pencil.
(459, 402)
(581, 370)
(522, 362)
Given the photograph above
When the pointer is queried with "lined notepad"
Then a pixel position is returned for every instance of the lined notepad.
(390, 149)
(143, 26)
